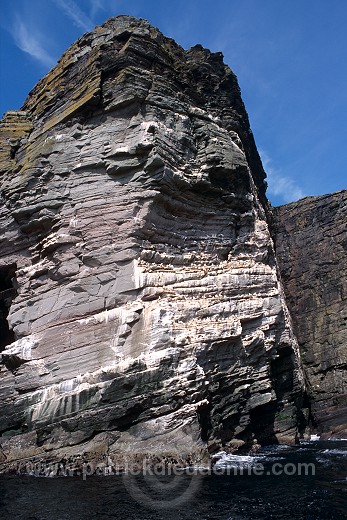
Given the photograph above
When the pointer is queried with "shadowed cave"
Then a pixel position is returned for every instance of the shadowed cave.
(7, 294)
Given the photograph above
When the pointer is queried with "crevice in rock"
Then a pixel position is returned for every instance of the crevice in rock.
(262, 421)
(305, 417)
(204, 418)
(7, 294)
(16, 429)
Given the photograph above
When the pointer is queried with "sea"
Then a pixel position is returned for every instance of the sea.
(305, 482)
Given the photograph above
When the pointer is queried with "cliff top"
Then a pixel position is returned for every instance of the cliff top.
(147, 66)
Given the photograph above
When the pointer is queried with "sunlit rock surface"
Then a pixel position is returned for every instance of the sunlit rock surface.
(146, 316)
(311, 244)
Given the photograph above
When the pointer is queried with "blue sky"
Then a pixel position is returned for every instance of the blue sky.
(290, 57)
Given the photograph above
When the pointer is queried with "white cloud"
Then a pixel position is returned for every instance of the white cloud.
(280, 185)
(27, 40)
(75, 13)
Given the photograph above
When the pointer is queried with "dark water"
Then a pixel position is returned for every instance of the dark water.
(237, 496)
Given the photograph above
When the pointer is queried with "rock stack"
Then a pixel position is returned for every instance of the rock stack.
(142, 313)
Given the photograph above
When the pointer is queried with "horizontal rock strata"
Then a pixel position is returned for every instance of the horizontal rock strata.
(146, 316)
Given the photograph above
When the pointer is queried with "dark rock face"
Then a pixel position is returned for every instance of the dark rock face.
(142, 309)
(311, 243)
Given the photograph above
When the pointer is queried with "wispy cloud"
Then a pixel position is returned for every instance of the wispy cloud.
(95, 6)
(280, 185)
(28, 41)
(75, 13)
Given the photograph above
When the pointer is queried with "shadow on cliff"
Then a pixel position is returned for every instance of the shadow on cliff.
(226, 417)
(7, 294)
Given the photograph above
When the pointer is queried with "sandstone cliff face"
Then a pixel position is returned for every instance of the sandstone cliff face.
(311, 243)
(138, 273)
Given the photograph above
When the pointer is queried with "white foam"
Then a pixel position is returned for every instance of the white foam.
(336, 452)
(228, 460)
